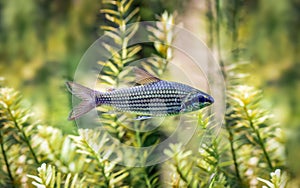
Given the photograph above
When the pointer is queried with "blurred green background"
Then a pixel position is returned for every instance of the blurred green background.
(42, 41)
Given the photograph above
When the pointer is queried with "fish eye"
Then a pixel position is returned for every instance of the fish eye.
(201, 99)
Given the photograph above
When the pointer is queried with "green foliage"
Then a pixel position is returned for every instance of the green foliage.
(115, 72)
(203, 168)
(50, 178)
(106, 172)
(120, 15)
(57, 149)
(255, 141)
(15, 133)
(162, 35)
(182, 166)
(277, 180)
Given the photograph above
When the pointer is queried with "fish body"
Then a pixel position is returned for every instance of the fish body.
(154, 97)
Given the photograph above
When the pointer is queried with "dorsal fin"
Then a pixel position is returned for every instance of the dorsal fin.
(142, 77)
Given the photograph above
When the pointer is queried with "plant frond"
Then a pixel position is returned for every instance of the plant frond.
(57, 149)
(162, 35)
(182, 166)
(16, 130)
(278, 179)
(48, 176)
(98, 148)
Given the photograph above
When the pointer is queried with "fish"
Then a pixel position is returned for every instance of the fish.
(152, 97)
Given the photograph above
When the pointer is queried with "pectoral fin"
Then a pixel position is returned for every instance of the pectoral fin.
(143, 118)
(183, 108)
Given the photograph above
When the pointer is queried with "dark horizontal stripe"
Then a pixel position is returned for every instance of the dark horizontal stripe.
(148, 96)
(157, 111)
(149, 100)
(146, 100)
(145, 95)
(170, 105)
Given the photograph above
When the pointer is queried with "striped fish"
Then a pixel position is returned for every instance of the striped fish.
(153, 97)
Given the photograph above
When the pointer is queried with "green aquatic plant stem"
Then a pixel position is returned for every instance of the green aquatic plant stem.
(233, 153)
(56, 155)
(210, 18)
(140, 144)
(166, 32)
(137, 135)
(259, 139)
(120, 15)
(181, 174)
(100, 163)
(6, 160)
(26, 139)
(234, 34)
(123, 44)
(218, 37)
(106, 179)
(147, 180)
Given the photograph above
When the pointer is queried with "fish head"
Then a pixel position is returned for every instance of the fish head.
(196, 101)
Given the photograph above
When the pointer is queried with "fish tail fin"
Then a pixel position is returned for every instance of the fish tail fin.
(87, 96)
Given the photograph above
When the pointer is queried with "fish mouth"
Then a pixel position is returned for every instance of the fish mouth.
(210, 99)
